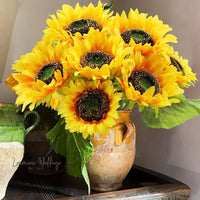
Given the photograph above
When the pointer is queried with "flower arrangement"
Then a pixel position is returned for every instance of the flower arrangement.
(90, 64)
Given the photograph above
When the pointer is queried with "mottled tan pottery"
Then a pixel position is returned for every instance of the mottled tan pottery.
(11, 154)
(12, 135)
(113, 156)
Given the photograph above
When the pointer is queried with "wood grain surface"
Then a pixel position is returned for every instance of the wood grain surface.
(140, 184)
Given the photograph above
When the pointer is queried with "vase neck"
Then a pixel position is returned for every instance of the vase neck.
(124, 116)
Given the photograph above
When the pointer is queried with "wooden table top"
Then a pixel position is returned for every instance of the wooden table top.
(140, 184)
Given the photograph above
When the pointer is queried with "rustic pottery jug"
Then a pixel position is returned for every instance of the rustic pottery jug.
(12, 135)
(40, 157)
(113, 156)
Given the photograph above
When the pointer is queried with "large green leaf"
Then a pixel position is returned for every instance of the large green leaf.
(171, 116)
(74, 147)
(58, 138)
(78, 152)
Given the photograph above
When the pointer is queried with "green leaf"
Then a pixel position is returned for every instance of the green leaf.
(78, 152)
(109, 6)
(74, 147)
(131, 104)
(180, 97)
(58, 138)
(171, 116)
(126, 104)
(141, 108)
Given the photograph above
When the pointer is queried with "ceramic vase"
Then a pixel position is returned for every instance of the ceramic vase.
(40, 157)
(113, 156)
(11, 154)
(12, 135)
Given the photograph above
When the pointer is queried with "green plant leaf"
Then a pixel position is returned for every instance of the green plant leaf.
(171, 116)
(74, 147)
(180, 97)
(109, 6)
(126, 104)
(58, 138)
(79, 150)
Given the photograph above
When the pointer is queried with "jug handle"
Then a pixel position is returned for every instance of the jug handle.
(123, 132)
(30, 128)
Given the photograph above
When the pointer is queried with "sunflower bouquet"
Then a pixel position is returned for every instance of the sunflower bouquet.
(91, 63)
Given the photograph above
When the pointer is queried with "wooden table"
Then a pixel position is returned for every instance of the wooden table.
(140, 184)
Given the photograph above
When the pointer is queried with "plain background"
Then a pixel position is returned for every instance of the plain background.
(174, 152)
(8, 10)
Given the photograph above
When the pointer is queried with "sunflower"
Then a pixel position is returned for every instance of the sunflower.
(90, 107)
(39, 75)
(146, 34)
(70, 20)
(150, 81)
(185, 75)
(98, 56)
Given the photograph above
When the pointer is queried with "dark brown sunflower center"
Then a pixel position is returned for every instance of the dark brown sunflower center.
(95, 59)
(142, 80)
(139, 36)
(46, 73)
(92, 105)
(82, 26)
(178, 66)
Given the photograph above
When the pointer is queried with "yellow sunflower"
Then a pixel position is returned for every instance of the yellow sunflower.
(73, 20)
(146, 34)
(185, 75)
(98, 56)
(90, 107)
(39, 75)
(150, 81)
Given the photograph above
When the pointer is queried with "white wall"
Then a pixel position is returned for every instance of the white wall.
(174, 152)
(8, 10)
